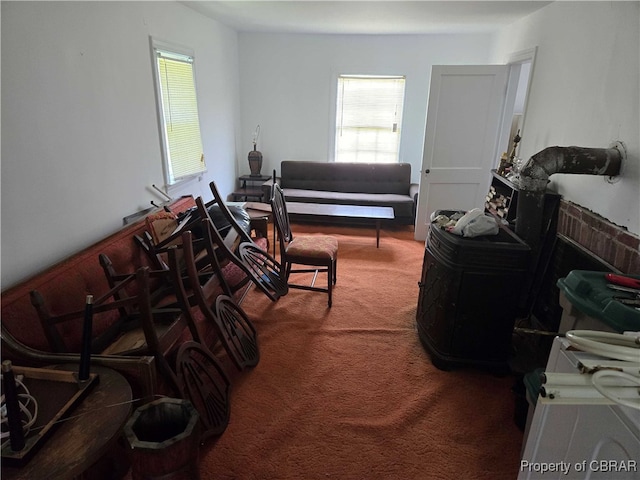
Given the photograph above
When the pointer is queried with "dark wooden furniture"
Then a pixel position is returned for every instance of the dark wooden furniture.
(326, 211)
(468, 298)
(235, 331)
(240, 249)
(23, 339)
(250, 188)
(259, 222)
(201, 377)
(502, 198)
(142, 329)
(85, 437)
(206, 385)
(318, 251)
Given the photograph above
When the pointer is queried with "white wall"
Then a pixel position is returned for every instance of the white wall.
(80, 142)
(585, 91)
(288, 87)
(80, 138)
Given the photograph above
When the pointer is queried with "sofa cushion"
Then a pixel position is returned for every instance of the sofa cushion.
(402, 204)
(392, 178)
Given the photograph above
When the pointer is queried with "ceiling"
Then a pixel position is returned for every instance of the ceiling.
(366, 17)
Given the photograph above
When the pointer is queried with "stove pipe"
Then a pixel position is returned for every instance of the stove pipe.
(535, 174)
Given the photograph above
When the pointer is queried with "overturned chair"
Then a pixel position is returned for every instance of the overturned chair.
(134, 325)
(223, 246)
(213, 318)
(207, 303)
(238, 247)
(198, 374)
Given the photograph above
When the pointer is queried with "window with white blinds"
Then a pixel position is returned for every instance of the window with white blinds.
(368, 118)
(178, 107)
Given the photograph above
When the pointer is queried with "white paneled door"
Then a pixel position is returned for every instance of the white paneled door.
(467, 109)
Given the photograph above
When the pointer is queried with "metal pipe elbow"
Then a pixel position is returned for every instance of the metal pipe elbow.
(535, 173)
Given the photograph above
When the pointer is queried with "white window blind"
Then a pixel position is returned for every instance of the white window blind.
(183, 151)
(368, 118)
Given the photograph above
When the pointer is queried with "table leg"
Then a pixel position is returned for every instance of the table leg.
(378, 233)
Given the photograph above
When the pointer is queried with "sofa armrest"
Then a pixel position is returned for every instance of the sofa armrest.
(414, 189)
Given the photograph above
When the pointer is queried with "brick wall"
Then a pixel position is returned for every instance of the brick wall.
(613, 244)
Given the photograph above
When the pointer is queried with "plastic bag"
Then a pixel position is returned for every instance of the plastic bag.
(475, 223)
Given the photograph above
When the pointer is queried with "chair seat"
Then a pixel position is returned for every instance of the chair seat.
(319, 246)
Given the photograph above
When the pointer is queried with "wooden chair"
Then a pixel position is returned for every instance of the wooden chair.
(136, 327)
(234, 329)
(238, 247)
(318, 251)
(193, 271)
(200, 375)
(142, 328)
(205, 383)
(169, 233)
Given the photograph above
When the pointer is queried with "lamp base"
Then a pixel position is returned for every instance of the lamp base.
(255, 162)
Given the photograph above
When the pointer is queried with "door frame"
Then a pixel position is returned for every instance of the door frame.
(515, 61)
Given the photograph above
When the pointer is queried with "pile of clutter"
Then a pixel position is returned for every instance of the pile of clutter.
(473, 223)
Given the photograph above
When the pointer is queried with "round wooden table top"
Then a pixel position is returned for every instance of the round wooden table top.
(88, 433)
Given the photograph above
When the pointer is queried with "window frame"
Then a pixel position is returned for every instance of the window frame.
(172, 49)
(334, 114)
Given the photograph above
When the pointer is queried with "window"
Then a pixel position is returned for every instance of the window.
(368, 118)
(178, 112)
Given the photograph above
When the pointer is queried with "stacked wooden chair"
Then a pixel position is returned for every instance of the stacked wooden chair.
(136, 326)
(239, 248)
(181, 308)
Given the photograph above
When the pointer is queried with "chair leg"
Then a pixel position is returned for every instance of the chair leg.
(330, 277)
(335, 270)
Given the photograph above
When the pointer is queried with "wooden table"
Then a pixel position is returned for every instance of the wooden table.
(89, 433)
(329, 210)
(253, 190)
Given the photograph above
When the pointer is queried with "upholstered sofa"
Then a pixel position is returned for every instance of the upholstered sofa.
(64, 287)
(378, 184)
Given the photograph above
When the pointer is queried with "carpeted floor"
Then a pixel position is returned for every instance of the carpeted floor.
(349, 392)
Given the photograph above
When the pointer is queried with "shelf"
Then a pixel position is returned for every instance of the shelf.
(504, 180)
(254, 178)
(247, 192)
(502, 198)
(250, 187)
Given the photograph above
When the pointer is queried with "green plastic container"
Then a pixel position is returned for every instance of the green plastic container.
(589, 293)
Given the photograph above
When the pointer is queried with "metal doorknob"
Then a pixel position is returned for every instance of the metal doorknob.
(427, 171)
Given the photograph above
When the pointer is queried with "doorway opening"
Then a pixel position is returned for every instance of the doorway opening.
(520, 75)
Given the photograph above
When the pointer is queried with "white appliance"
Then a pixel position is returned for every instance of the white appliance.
(576, 432)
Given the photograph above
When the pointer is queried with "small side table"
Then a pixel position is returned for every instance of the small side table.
(260, 223)
(79, 442)
(250, 187)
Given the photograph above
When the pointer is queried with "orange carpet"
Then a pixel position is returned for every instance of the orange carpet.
(349, 392)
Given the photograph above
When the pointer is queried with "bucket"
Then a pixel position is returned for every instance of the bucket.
(164, 437)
